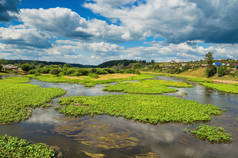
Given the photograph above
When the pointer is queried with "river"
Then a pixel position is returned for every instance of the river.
(120, 138)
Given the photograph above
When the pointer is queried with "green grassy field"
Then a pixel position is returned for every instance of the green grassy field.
(87, 80)
(17, 98)
(189, 78)
(145, 108)
(229, 88)
(13, 147)
(212, 134)
(146, 86)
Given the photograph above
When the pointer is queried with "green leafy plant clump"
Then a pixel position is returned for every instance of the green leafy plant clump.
(13, 147)
(17, 98)
(145, 108)
(212, 134)
(146, 86)
(229, 88)
(88, 81)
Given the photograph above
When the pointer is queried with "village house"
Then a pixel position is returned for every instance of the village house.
(9, 68)
(172, 62)
(235, 66)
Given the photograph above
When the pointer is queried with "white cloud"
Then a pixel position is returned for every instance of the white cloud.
(183, 23)
(175, 20)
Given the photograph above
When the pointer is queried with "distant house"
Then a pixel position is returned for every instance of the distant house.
(172, 62)
(9, 68)
(217, 64)
(203, 65)
(235, 66)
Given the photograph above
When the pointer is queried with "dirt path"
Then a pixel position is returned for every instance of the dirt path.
(226, 81)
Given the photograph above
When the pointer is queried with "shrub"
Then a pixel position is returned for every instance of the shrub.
(55, 71)
(221, 71)
(211, 71)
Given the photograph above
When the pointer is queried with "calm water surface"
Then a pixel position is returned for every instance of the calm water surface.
(121, 138)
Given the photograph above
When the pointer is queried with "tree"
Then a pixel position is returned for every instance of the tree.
(55, 71)
(27, 67)
(221, 71)
(209, 59)
(211, 69)
(0, 67)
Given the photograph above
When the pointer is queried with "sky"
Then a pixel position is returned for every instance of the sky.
(95, 31)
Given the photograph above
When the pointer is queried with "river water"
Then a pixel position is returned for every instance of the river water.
(113, 137)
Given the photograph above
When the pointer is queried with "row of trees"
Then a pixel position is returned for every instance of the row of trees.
(70, 71)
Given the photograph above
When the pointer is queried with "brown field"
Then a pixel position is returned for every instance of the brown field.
(114, 76)
(103, 77)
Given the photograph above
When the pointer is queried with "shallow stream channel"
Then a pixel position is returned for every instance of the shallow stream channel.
(112, 137)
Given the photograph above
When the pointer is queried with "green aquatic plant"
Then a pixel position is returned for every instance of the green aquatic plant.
(146, 86)
(212, 134)
(17, 98)
(87, 80)
(145, 108)
(229, 88)
(13, 147)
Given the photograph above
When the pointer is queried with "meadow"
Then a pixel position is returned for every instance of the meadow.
(189, 78)
(14, 147)
(146, 87)
(90, 81)
(229, 88)
(145, 108)
(17, 98)
(212, 134)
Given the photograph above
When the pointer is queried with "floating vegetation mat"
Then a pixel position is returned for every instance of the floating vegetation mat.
(229, 88)
(89, 81)
(17, 98)
(13, 147)
(97, 135)
(146, 87)
(145, 108)
(212, 134)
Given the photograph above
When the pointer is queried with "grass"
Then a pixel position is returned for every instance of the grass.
(2, 73)
(146, 86)
(13, 147)
(17, 98)
(229, 88)
(145, 108)
(90, 81)
(212, 134)
(188, 77)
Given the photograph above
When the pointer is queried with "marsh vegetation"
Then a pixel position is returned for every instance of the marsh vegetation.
(146, 87)
(146, 108)
(18, 98)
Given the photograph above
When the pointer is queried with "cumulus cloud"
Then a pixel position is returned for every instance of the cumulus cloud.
(175, 20)
(63, 22)
(56, 21)
(182, 23)
(22, 37)
(8, 9)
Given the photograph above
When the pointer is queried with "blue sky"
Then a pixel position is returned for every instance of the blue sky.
(94, 31)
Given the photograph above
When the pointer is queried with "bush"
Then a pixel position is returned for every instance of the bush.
(93, 75)
(221, 71)
(70, 71)
(55, 71)
(27, 67)
(211, 71)
(32, 72)
(83, 72)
